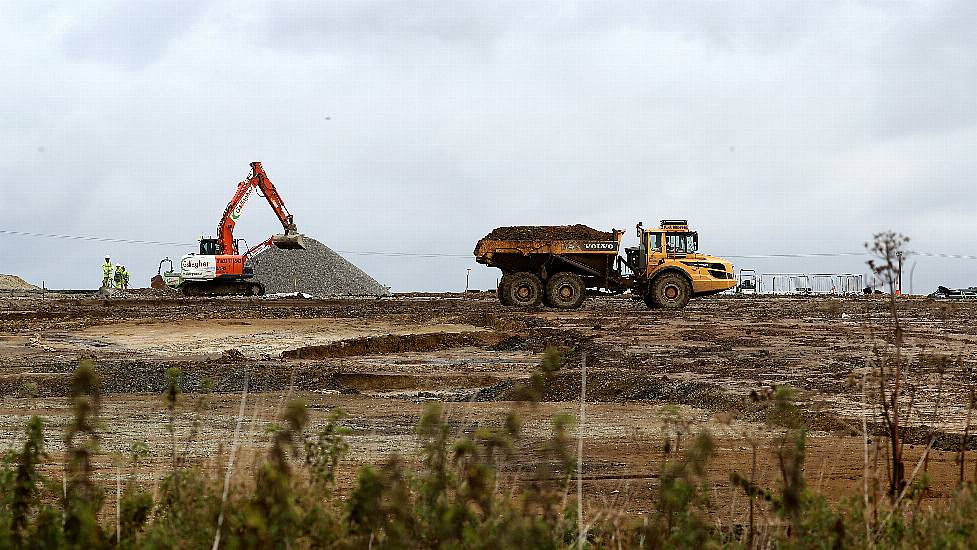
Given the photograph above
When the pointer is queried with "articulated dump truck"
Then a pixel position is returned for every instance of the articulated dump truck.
(559, 265)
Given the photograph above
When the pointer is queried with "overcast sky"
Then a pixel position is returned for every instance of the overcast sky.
(780, 127)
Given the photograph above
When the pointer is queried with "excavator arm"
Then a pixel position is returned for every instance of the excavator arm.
(257, 180)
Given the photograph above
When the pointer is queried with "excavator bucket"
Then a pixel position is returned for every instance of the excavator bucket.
(289, 241)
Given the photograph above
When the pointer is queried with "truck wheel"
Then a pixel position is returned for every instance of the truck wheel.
(524, 290)
(670, 291)
(503, 290)
(565, 290)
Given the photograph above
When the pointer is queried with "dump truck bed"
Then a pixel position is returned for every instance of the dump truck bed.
(547, 239)
(547, 249)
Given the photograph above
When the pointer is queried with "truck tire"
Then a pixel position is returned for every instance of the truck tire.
(670, 291)
(565, 290)
(503, 290)
(523, 290)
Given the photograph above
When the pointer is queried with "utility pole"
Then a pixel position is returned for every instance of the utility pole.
(468, 273)
(899, 255)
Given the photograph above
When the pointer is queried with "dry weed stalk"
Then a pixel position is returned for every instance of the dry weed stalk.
(581, 532)
(888, 249)
(230, 460)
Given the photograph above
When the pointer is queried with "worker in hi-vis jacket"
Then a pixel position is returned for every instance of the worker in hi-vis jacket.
(107, 273)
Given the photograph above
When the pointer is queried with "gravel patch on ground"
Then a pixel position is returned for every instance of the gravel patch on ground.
(317, 270)
(13, 282)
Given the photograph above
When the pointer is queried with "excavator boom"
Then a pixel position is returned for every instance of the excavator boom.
(291, 239)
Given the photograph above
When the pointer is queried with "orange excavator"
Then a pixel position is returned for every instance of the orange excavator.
(220, 269)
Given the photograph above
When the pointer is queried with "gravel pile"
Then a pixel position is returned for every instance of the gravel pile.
(13, 282)
(548, 233)
(317, 270)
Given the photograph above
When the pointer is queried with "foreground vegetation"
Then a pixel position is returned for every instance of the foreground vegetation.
(449, 496)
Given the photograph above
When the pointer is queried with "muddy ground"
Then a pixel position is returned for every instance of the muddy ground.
(382, 361)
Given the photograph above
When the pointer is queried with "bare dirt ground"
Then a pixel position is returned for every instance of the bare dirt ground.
(649, 372)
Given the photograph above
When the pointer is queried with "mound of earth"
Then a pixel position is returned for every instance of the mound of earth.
(548, 233)
(13, 282)
(317, 270)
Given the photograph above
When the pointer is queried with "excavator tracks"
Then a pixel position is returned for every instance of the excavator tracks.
(222, 288)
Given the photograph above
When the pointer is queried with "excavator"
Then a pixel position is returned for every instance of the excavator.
(220, 269)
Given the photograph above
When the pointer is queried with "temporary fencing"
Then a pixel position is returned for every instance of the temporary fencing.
(751, 282)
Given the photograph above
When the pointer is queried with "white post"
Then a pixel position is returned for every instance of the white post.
(581, 535)
(118, 504)
(230, 460)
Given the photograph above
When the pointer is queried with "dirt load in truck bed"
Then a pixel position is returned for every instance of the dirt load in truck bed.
(548, 233)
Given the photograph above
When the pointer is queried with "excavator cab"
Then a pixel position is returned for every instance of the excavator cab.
(209, 247)
(213, 247)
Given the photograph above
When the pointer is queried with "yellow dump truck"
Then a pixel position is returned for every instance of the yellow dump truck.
(558, 265)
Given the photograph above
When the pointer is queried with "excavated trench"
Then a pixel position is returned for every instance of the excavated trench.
(346, 366)
(686, 358)
(396, 343)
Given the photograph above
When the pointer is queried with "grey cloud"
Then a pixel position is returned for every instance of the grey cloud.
(927, 71)
(128, 34)
(385, 30)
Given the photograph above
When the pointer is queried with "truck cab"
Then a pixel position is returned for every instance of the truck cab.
(669, 270)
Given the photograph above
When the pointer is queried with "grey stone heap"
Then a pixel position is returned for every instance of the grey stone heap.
(317, 270)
